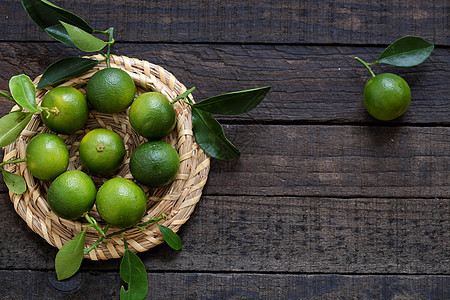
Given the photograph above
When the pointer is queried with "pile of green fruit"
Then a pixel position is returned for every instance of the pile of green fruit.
(120, 202)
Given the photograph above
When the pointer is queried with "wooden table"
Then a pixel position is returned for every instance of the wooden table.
(325, 202)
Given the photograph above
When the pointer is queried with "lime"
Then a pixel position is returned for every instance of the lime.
(110, 90)
(152, 116)
(154, 164)
(386, 96)
(65, 110)
(101, 151)
(47, 156)
(71, 194)
(121, 202)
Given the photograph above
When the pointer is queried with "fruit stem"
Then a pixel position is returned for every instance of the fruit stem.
(110, 42)
(94, 224)
(44, 109)
(366, 65)
(55, 111)
(13, 161)
(97, 242)
(100, 147)
(125, 244)
(154, 220)
(185, 96)
(100, 239)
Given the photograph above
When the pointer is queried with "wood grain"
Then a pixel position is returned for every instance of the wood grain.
(43, 285)
(348, 161)
(340, 161)
(325, 202)
(279, 234)
(250, 21)
(309, 83)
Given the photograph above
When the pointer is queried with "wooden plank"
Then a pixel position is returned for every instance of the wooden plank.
(278, 235)
(324, 235)
(338, 161)
(250, 21)
(309, 83)
(349, 161)
(38, 284)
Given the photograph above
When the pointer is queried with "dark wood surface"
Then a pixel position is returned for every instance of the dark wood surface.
(325, 202)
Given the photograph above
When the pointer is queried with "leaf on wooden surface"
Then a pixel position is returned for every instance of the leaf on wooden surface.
(14, 182)
(46, 15)
(234, 103)
(172, 239)
(64, 69)
(23, 91)
(211, 137)
(83, 40)
(133, 272)
(12, 125)
(407, 51)
(69, 257)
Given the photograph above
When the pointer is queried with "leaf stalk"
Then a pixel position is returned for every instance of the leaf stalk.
(94, 224)
(120, 232)
(366, 65)
(7, 96)
(110, 42)
(13, 161)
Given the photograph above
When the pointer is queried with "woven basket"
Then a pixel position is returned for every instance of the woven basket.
(177, 200)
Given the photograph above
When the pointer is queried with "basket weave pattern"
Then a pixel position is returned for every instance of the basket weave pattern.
(177, 200)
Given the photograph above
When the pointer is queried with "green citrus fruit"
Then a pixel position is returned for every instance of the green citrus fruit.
(110, 90)
(386, 96)
(47, 156)
(71, 194)
(65, 110)
(121, 202)
(154, 164)
(101, 151)
(152, 116)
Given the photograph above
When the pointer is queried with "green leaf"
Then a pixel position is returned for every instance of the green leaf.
(60, 33)
(172, 239)
(83, 40)
(12, 125)
(211, 137)
(133, 272)
(14, 182)
(69, 257)
(234, 103)
(407, 51)
(64, 69)
(46, 15)
(23, 92)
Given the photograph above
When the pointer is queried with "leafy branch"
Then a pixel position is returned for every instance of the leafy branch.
(408, 51)
(208, 132)
(69, 29)
(132, 270)
(14, 182)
